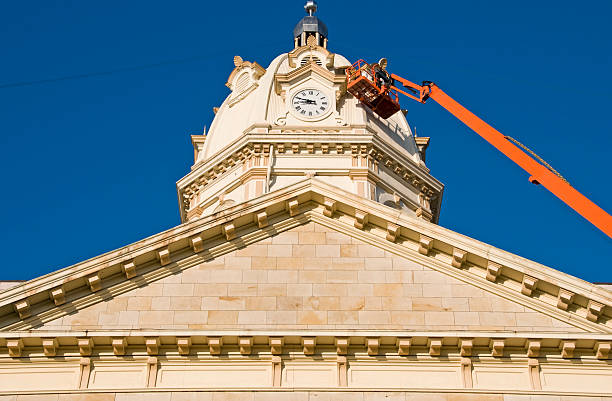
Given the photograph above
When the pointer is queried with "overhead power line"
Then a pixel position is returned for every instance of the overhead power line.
(102, 73)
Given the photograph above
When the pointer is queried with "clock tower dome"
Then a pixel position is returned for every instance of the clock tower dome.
(295, 120)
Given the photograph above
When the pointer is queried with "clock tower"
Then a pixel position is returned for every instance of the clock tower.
(295, 120)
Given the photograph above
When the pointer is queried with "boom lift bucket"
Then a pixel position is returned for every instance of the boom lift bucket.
(361, 83)
(375, 88)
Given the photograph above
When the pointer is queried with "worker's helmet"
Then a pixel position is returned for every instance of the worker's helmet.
(382, 63)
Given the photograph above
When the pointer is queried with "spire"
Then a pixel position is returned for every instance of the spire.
(310, 25)
(310, 7)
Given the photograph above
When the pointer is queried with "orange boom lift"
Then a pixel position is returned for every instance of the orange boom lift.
(375, 88)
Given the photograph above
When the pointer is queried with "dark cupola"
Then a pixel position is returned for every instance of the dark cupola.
(310, 26)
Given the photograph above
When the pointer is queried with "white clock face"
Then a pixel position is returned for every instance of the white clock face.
(310, 103)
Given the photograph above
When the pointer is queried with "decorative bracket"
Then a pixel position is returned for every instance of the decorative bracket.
(361, 219)
(309, 344)
(294, 207)
(330, 207)
(15, 346)
(423, 214)
(342, 344)
(602, 349)
(261, 219)
(497, 347)
(22, 308)
(567, 348)
(529, 285)
(403, 346)
(276, 345)
(533, 348)
(214, 345)
(184, 345)
(594, 310)
(564, 299)
(85, 346)
(119, 346)
(393, 232)
(58, 296)
(164, 256)
(425, 244)
(435, 346)
(246, 345)
(197, 243)
(493, 271)
(372, 345)
(50, 346)
(459, 258)
(94, 282)
(129, 269)
(152, 345)
(466, 345)
(229, 230)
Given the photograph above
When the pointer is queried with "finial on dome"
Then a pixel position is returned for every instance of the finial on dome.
(310, 7)
(310, 25)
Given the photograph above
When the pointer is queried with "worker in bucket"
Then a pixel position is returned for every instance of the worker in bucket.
(383, 78)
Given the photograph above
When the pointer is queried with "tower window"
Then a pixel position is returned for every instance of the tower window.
(305, 61)
(242, 83)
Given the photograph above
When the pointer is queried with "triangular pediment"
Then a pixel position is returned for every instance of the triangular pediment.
(309, 70)
(308, 256)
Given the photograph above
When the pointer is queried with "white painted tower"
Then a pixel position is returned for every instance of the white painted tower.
(295, 119)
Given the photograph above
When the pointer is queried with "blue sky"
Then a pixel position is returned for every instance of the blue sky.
(89, 165)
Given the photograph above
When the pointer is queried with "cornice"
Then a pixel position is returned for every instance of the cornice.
(527, 283)
(359, 145)
(357, 343)
(80, 353)
(300, 135)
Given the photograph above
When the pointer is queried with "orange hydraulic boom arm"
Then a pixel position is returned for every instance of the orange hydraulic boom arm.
(539, 173)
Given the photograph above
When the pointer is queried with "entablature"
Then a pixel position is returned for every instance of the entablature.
(358, 343)
(356, 143)
(156, 361)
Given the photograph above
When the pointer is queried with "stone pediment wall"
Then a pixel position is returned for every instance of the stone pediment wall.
(244, 235)
(309, 277)
(309, 288)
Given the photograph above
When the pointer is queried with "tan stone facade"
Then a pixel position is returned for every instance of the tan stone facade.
(309, 277)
